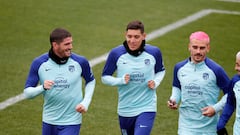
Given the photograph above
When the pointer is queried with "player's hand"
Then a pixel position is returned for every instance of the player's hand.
(127, 78)
(222, 131)
(172, 104)
(80, 108)
(151, 84)
(47, 85)
(208, 111)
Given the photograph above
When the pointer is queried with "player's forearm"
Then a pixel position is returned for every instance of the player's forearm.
(158, 78)
(31, 92)
(220, 104)
(112, 81)
(176, 94)
(89, 90)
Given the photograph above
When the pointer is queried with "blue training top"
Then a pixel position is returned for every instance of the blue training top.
(198, 86)
(60, 101)
(233, 102)
(135, 97)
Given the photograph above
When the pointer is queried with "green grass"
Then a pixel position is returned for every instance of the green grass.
(97, 26)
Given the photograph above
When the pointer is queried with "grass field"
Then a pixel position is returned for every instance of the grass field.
(97, 26)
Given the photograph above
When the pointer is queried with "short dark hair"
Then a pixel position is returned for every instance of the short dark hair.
(58, 35)
(136, 25)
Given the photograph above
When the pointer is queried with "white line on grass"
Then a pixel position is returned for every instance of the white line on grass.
(11, 101)
(155, 34)
(230, 0)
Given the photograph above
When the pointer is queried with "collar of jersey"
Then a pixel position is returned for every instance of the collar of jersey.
(57, 59)
(135, 52)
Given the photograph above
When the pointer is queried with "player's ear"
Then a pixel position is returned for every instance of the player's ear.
(144, 35)
(54, 44)
(208, 48)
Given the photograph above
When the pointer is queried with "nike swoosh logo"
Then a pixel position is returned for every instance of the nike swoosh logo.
(47, 69)
(142, 126)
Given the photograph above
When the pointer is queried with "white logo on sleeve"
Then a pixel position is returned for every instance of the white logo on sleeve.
(143, 126)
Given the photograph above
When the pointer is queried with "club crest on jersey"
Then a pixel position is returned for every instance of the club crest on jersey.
(205, 76)
(147, 61)
(71, 68)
